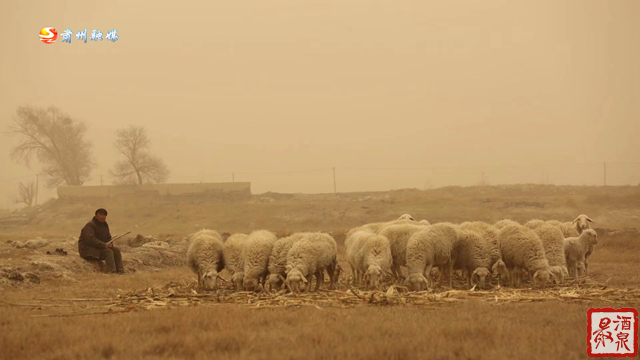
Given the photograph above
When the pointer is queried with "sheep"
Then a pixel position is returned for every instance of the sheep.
(424, 222)
(256, 254)
(503, 223)
(555, 223)
(490, 236)
(472, 255)
(233, 260)
(278, 260)
(522, 249)
(375, 227)
(434, 246)
(398, 236)
(553, 244)
(533, 224)
(576, 248)
(310, 256)
(204, 257)
(406, 217)
(370, 258)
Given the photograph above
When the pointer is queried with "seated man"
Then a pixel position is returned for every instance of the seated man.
(92, 244)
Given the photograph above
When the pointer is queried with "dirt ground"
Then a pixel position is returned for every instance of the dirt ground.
(60, 307)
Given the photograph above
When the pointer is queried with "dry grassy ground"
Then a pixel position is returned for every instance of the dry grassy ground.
(470, 329)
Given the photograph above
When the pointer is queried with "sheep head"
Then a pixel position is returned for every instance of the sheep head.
(210, 280)
(416, 282)
(294, 280)
(500, 268)
(372, 276)
(593, 236)
(479, 276)
(250, 283)
(406, 217)
(275, 282)
(582, 222)
(541, 277)
(237, 280)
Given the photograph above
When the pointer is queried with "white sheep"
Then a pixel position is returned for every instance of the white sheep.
(233, 260)
(375, 227)
(424, 222)
(503, 223)
(522, 250)
(205, 258)
(472, 257)
(372, 258)
(582, 222)
(398, 236)
(533, 224)
(278, 260)
(575, 249)
(256, 254)
(553, 244)
(310, 256)
(406, 217)
(434, 246)
(489, 235)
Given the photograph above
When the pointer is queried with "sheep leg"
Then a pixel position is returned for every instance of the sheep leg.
(394, 272)
(451, 274)
(319, 279)
(331, 270)
(579, 268)
(354, 275)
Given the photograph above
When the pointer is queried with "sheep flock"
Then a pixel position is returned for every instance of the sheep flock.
(415, 254)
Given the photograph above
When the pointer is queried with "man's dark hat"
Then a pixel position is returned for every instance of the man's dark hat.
(101, 211)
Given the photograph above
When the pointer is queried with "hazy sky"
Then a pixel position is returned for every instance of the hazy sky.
(260, 86)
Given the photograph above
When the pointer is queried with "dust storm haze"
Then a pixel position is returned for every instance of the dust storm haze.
(394, 95)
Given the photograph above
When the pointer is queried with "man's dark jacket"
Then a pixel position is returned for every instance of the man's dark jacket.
(93, 239)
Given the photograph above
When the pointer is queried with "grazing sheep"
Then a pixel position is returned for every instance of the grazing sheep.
(375, 227)
(310, 256)
(233, 260)
(503, 223)
(278, 260)
(406, 217)
(522, 250)
(490, 236)
(256, 254)
(204, 257)
(370, 256)
(553, 244)
(555, 223)
(533, 224)
(436, 245)
(472, 255)
(575, 249)
(398, 236)
(424, 222)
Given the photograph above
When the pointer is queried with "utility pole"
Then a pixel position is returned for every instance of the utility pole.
(335, 191)
(605, 174)
(37, 183)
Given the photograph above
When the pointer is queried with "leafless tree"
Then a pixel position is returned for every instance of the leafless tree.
(139, 166)
(26, 193)
(56, 140)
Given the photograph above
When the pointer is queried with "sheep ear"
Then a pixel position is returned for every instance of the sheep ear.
(536, 275)
(304, 279)
(574, 221)
(282, 278)
(589, 220)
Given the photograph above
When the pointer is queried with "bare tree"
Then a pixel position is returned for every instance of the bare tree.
(139, 166)
(26, 194)
(56, 140)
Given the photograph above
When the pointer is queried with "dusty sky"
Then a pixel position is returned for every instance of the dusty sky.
(255, 86)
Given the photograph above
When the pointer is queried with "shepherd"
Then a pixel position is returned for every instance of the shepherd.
(94, 243)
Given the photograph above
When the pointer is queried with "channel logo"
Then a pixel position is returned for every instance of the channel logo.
(48, 35)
